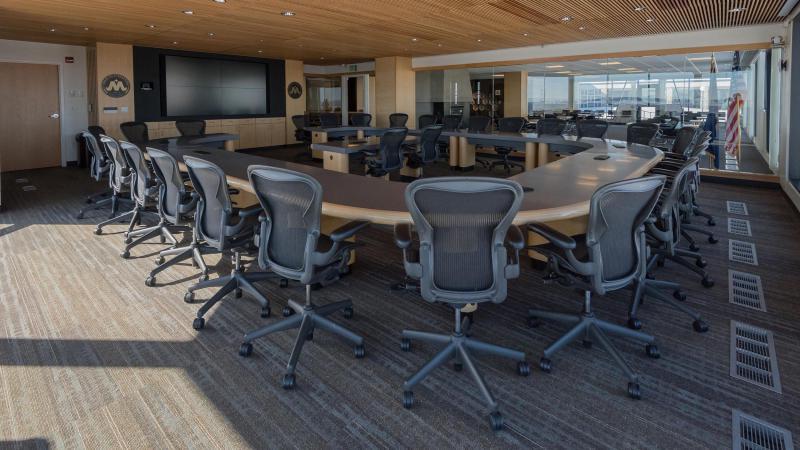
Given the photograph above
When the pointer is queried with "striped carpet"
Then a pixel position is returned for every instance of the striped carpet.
(91, 358)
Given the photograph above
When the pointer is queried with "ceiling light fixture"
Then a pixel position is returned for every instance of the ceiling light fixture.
(218, 1)
(557, 66)
(288, 13)
(85, 28)
(188, 12)
(525, 34)
(480, 40)
(150, 25)
(413, 39)
(563, 72)
(566, 18)
(174, 42)
(321, 57)
(261, 51)
(738, 9)
(581, 28)
(210, 34)
(640, 8)
(700, 58)
(650, 20)
(52, 30)
(438, 45)
(610, 63)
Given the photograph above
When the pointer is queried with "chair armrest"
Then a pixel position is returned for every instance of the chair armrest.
(250, 211)
(348, 230)
(556, 237)
(514, 238)
(402, 235)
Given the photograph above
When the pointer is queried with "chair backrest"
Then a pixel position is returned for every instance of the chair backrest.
(428, 148)
(299, 121)
(191, 127)
(511, 124)
(96, 131)
(451, 122)
(119, 165)
(142, 177)
(684, 140)
(669, 211)
(550, 126)
(172, 191)
(360, 119)
(426, 120)
(99, 159)
(462, 224)
(329, 120)
(641, 132)
(592, 128)
(292, 203)
(214, 208)
(478, 124)
(615, 234)
(135, 132)
(390, 150)
(397, 120)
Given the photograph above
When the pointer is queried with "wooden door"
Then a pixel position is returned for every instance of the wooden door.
(31, 123)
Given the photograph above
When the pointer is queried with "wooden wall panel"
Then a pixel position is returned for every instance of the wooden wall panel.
(515, 96)
(395, 89)
(114, 59)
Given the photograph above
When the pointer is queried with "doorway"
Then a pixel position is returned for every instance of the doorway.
(355, 96)
(31, 125)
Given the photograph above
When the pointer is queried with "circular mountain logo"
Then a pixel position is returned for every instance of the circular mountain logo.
(295, 90)
(116, 85)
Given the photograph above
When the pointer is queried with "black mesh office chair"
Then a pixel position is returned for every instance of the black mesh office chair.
(360, 119)
(191, 127)
(99, 168)
(328, 120)
(300, 122)
(96, 131)
(592, 128)
(426, 151)
(389, 157)
(684, 140)
(398, 120)
(223, 229)
(120, 179)
(467, 250)
(292, 246)
(450, 122)
(612, 256)
(426, 120)
(550, 127)
(135, 132)
(641, 133)
(507, 125)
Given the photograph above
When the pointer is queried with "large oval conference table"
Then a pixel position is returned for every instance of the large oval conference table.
(556, 193)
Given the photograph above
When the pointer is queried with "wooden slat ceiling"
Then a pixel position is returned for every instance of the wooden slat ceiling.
(339, 31)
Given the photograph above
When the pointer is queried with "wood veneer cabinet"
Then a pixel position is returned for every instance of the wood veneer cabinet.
(253, 132)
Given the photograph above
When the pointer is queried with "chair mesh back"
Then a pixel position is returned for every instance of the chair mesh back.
(511, 124)
(428, 143)
(96, 131)
(463, 227)
(452, 122)
(642, 133)
(550, 127)
(172, 188)
(425, 120)
(684, 141)
(191, 127)
(397, 120)
(97, 155)
(119, 166)
(360, 119)
(135, 132)
(328, 120)
(592, 128)
(478, 124)
(299, 121)
(617, 211)
(215, 203)
(391, 145)
(140, 183)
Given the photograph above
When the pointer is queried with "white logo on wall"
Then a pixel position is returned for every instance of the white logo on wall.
(115, 85)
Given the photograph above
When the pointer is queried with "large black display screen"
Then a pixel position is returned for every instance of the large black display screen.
(214, 87)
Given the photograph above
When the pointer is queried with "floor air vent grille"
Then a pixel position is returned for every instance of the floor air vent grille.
(744, 289)
(737, 208)
(753, 356)
(742, 252)
(739, 226)
(750, 433)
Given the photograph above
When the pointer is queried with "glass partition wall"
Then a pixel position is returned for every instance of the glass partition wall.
(727, 93)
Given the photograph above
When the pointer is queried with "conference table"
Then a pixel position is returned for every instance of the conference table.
(557, 193)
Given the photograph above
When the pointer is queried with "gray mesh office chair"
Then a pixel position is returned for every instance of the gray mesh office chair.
(120, 179)
(398, 120)
(684, 140)
(191, 127)
(508, 125)
(135, 132)
(451, 122)
(360, 119)
(550, 127)
(613, 256)
(328, 120)
(426, 120)
(426, 151)
(99, 168)
(467, 250)
(292, 246)
(223, 229)
(389, 157)
(592, 128)
(641, 132)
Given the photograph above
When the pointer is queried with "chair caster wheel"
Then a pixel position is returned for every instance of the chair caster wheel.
(159, 261)
(694, 247)
(587, 343)
(458, 367)
(199, 323)
(712, 240)
(287, 311)
(125, 255)
(150, 281)
(288, 381)
(237, 293)
(265, 312)
(496, 421)
(310, 336)
(679, 295)
(707, 282)
(246, 349)
(660, 263)
(405, 345)
(700, 262)
(634, 391)
(408, 399)
(700, 326)
(347, 313)
(523, 368)
(284, 283)
(545, 365)
(711, 222)
(634, 323)
(98, 231)
(188, 297)
(359, 351)
(534, 322)
(652, 351)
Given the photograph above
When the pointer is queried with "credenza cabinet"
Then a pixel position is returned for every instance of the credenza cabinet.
(253, 132)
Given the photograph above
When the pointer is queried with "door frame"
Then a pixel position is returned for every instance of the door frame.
(61, 99)
(345, 96)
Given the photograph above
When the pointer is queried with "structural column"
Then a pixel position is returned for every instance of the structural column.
(516, 94)
(395, 89)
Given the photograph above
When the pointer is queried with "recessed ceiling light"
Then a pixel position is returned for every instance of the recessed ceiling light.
(174, 42)
(321, 57)
(480, 40)
(85, 28)
(218, 1)
(261, 51)
(650, 20)
(563, 72)
(738, 9)
(413, 39)
(627, 69)
(288, 13)
(524, 34)
(210, 34)
(438, 45)
(52, 30)
(188, 12)
(566, 18)
(610, 63)
(640, 8)
(557, 66)
(150, 25)
(581, 28)
(700, 58)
